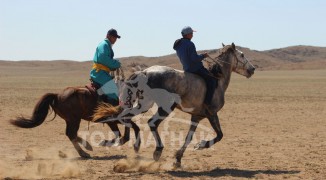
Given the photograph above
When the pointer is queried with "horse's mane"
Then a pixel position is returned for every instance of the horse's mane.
(216, 67)
(224, 52)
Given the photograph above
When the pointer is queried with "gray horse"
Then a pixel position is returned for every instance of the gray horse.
(170, 88)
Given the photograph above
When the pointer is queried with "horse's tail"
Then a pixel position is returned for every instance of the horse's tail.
(104, 110)
(40, 112)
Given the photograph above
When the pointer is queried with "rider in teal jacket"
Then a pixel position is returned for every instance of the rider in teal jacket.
(104, 63)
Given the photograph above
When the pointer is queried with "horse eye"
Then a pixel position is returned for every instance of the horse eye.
(242, 55)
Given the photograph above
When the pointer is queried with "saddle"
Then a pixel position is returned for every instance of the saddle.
(92, 87)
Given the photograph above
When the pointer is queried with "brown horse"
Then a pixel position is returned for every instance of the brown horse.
(72, 105)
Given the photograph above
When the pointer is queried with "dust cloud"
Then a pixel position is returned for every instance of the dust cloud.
(140, 164)
(41, 164)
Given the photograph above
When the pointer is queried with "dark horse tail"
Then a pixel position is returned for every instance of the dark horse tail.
(40, 112)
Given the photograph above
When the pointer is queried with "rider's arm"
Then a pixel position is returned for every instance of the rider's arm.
(193, 53)
(104, 57)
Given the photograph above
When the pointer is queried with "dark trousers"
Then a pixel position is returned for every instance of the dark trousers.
(210, 84)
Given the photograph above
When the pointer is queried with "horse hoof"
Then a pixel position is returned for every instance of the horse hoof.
(113, 142)
(157, 155)
(200, 145)
(88, 146)
(85, 155)
(118, 142)
(136, 148)
(122, 141)
(177, 165)
(197, 146)
(104, 143)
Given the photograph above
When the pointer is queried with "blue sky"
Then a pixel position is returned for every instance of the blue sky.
(71, 29)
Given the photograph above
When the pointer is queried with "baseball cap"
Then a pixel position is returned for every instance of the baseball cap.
(187, 30)
(113, 32)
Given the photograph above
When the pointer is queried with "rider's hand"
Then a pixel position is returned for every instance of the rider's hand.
(205, 55)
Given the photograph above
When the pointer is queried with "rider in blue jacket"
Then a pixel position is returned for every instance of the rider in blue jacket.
(192, 62)
(103, 64)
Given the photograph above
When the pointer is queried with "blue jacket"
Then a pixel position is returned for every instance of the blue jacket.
(188, 56)
(104, 55)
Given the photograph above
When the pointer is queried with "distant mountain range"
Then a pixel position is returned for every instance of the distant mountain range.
(294, 57)
(289, 58)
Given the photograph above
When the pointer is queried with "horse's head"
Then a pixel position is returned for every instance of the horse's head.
(240, 63)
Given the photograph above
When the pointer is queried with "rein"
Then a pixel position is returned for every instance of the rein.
(217, 59)
(118, 75)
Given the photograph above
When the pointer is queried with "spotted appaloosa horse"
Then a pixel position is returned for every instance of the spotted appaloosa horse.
(144, 88)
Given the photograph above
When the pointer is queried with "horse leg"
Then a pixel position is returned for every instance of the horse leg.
(215, 123)
(153, 123)
(194, 123)
(125, 119)
(85, 143)
(137, 135)
(129, 123)
(115, 129)
(126, 136)
(116, 141)
(71, 132)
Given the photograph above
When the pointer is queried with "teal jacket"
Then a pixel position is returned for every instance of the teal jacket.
(104, 55)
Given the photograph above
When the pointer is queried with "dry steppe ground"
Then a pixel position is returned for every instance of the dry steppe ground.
(273, 123)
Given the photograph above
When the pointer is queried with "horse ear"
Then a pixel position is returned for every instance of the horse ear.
(233, 46)
(223, 44)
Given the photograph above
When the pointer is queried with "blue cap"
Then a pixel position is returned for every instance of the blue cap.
(114, 33)
(187, 30)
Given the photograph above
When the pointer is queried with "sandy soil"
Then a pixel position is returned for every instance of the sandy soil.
(273, 124)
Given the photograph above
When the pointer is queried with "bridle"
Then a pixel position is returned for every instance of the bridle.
(218, 60)
(246, 61)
